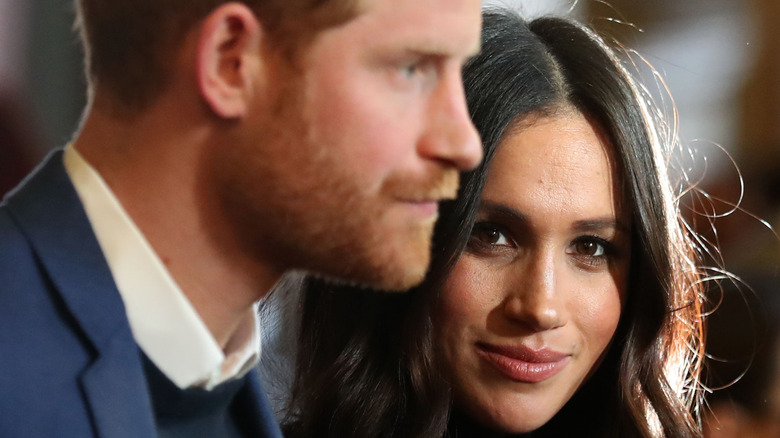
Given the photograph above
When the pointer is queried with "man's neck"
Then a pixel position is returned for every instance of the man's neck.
(153, 164)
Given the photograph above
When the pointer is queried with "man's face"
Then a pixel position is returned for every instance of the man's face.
(342, 176)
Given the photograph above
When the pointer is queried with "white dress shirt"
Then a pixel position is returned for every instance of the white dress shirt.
(164, 323)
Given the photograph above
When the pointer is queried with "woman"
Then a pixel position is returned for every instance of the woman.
(562, 300)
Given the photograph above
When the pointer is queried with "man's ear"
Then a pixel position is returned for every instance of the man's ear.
(228, 60)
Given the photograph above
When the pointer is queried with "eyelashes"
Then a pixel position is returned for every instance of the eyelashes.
(593, 251)
(417, 73)
(489, 234)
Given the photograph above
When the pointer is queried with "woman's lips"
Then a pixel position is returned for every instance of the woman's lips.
(523, 364)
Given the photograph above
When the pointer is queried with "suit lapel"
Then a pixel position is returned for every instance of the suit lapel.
(48, 210)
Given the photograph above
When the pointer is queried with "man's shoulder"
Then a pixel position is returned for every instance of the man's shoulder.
(26, 291)
(18, 264)
(44, 350)
(36, 337)
(33, 317)
(17, 261)
(10, 234)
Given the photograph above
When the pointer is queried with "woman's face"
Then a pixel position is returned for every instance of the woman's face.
(534, 301)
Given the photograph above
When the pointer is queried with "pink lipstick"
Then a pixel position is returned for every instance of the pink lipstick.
(523, 364)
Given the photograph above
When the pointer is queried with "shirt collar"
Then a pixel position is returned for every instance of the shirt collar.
(164, 323)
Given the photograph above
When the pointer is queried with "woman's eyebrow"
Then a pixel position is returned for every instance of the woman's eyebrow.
(598, 224)
(503, 211)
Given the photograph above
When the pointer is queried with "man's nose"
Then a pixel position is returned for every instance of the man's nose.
(452, 137)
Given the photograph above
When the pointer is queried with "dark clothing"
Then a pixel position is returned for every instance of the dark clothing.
(193, 412)
(69, 364)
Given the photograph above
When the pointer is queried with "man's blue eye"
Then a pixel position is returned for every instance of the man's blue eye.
(411, 69)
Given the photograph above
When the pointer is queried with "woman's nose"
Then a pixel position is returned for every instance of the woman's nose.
(534, 298)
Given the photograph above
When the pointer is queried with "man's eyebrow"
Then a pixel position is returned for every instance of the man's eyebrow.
(431, 47)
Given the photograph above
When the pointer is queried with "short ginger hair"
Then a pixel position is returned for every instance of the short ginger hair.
(127, 43)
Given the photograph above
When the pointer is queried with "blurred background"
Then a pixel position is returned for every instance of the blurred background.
(719, 60)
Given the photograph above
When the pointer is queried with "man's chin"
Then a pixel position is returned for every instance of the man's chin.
(406, 273)
(402, 282)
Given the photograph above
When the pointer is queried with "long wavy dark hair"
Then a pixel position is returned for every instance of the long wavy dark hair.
(366, 362)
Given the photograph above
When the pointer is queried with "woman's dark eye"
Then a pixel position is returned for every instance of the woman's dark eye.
(590, 248)
(489, 234)
(592, 252)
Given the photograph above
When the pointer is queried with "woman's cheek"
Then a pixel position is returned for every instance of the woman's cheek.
(467, 293)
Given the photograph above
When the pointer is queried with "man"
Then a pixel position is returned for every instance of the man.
(225, 143)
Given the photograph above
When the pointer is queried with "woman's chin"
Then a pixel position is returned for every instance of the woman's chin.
(515, 422)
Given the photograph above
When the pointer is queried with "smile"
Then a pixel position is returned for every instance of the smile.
(522, 364)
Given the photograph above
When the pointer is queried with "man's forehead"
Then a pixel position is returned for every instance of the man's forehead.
(435, 26)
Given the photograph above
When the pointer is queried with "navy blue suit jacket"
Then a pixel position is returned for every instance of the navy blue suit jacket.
(69, 366)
